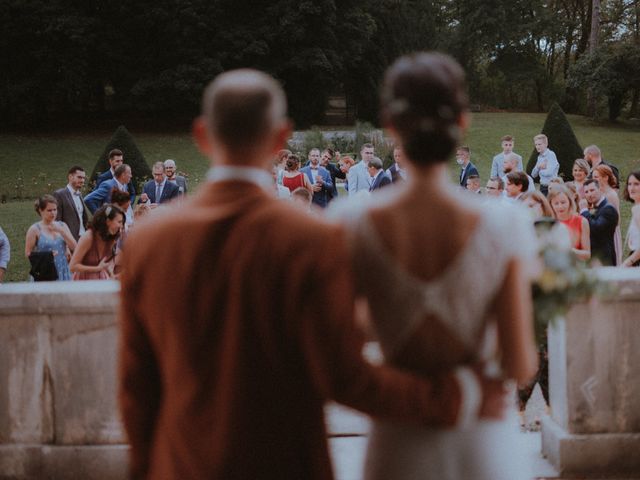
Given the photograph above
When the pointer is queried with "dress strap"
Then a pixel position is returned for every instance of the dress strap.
(458, 297)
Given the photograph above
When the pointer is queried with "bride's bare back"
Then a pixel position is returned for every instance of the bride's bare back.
(431, 244)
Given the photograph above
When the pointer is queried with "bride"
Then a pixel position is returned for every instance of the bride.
(445, 277)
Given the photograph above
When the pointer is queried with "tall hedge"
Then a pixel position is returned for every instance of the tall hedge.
(133, 157)
(562, 141)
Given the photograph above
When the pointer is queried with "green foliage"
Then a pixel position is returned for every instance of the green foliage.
(562, 141)
(362, 135)
(313, 138)
(612, 71)
(133, 157)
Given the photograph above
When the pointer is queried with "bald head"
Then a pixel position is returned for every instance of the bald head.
(241, 108)
(592, 151)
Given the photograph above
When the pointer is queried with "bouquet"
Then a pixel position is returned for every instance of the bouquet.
(563, 279)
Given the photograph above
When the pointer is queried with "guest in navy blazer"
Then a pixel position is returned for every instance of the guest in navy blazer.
(320, 179)
(334, 171)
(603, 220)
(116, 158)
(102, 194)
(463, 155)
(378, 178)
(160, 189)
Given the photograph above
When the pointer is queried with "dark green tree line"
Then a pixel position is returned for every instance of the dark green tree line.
(77, 58)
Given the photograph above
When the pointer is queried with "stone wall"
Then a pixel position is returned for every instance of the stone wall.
(58, 412)
(594, 384)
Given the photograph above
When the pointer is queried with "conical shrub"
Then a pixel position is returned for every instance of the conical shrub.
(133, 157)
(562, 141)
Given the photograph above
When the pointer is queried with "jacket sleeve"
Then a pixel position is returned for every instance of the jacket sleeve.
(58, 196)
(494, 167)
(132, 190)
(101, 178)
(95, 199)
(139, 389)
(326, 178)
(175, 191)
(604, 222)
(332, 345)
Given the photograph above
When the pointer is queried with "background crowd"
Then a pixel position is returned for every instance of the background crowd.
(85, 233)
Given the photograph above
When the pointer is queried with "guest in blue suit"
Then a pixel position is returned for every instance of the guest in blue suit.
(463, 155)
(320, 179)
(160, 189)
(116, 158)
(334, 171)
(102, 194)
(378, 178)
(603, 220)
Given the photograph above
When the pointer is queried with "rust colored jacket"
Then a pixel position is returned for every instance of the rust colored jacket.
(237, 326)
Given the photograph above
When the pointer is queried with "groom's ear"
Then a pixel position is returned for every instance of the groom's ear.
(464, 120)
(201, 136)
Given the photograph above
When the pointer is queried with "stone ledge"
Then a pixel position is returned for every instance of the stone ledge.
(97, 296)
(605, 455)
(624, 282)
(37, 462)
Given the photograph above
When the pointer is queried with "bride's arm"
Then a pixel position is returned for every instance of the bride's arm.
(514, 313)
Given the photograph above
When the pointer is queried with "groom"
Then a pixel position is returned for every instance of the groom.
(229, 379)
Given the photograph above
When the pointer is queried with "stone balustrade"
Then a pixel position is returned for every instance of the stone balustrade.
(594, 383)
(59, 418)
(58, 412)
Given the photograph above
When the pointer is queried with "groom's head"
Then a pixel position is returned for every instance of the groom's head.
(243, 118)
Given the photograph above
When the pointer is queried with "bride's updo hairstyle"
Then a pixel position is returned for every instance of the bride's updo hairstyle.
(423, 96)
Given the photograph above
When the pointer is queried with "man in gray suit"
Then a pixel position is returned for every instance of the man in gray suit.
(71, 207)
(358, 177)
(171, 173)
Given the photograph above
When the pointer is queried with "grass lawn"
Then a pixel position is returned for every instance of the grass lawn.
(43, 160)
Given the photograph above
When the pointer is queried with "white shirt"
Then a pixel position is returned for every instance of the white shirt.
(254, 175)
(551, 169)
(121, 186)
(77, 201)
(161, 186)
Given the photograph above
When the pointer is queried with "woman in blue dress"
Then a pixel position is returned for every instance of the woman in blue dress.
(51, 235)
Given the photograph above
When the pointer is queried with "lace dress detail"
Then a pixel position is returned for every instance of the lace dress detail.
(401, 301)
(460, 297)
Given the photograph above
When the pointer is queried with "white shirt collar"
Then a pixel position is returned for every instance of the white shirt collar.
(257, 176)
(71, 190)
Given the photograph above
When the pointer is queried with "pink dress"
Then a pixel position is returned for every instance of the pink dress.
(92, 258)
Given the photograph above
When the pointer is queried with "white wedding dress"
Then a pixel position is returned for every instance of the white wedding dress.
(460, 299)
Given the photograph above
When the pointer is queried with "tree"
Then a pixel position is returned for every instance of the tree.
(123, 140)
(612, 71)
(562, 141)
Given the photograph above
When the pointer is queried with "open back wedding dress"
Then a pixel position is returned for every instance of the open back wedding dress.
(457, 301)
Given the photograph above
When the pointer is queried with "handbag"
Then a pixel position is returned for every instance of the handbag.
(43, 268)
